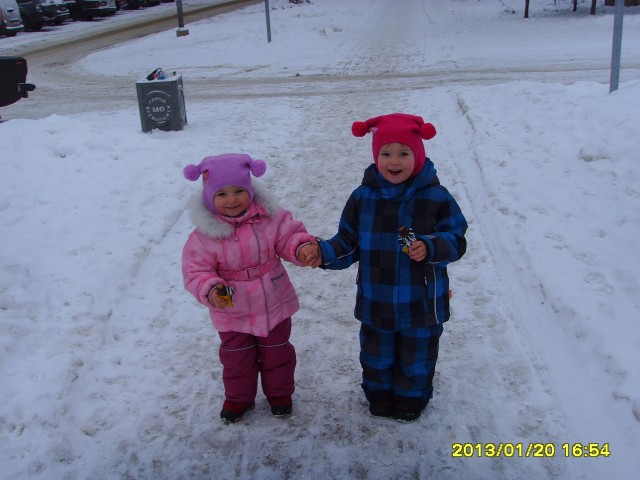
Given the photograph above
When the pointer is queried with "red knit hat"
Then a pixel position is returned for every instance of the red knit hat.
(397, 128)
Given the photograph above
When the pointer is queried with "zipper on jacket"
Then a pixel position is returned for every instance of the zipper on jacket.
(257, 231)
(435, 293)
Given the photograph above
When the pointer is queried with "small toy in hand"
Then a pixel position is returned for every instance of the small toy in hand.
(226, 293)
(406, 237)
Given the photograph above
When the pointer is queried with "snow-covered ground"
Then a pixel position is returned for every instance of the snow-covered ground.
(109, 368)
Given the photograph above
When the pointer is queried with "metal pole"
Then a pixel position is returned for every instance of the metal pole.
(180, 18)
(617, 46)
(181, 32)
(266, 10)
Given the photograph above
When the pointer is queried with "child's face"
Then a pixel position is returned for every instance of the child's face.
(231, 201)
(396, 162)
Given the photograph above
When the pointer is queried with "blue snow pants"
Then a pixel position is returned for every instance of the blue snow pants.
(400, 362)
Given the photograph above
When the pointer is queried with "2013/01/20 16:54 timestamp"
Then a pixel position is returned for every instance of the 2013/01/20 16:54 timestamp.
(543, 450)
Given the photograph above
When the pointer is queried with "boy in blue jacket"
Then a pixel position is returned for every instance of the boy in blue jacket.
(403, 228)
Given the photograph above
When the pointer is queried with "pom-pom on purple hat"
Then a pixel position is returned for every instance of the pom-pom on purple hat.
(223, 170)
(397, 128)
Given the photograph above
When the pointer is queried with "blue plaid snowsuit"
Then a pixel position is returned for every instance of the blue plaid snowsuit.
(401, 304)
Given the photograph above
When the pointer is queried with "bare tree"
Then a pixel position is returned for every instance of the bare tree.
(575, 7)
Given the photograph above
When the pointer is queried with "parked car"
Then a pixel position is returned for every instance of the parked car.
(88, 9)
(13, 77)
(10, 21)
(69, 4)
(112, 7)
(54, 11)
(136, 4)
(31, 14)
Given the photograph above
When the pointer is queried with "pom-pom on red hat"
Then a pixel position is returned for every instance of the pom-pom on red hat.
(402, 128)
(224, 170)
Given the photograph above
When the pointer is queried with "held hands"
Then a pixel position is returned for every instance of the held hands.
(310, 255)
(220, 296)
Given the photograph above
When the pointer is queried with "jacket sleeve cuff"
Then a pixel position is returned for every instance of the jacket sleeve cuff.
(428, 242)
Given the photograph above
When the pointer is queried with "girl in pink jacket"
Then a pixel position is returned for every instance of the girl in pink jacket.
(231, 263)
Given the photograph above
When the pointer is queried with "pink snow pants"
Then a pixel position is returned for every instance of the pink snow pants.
(244, 356)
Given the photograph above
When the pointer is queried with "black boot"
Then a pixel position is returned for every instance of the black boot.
(408, 409)
(380, 403)
(233, 412)
(280, 406)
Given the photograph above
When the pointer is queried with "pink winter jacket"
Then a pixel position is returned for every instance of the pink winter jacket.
(244, 253)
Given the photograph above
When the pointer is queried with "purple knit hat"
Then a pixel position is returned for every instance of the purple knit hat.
(224, 170)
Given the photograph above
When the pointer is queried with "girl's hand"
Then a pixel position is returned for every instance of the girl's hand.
(310, 255)
(418, 251)
(215, 300)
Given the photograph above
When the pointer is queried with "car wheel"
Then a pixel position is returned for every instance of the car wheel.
(26, 22)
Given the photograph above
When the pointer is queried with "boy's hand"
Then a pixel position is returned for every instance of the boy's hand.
(310, 255)
(418, 251)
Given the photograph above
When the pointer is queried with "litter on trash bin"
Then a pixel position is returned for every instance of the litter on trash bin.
(159, 74)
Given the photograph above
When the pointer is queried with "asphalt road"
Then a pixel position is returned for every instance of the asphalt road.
(74, 45)
(64, 90)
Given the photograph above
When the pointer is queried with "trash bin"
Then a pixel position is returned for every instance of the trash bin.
(161, 103)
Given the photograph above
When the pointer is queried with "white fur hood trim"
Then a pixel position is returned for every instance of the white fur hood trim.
(211, 225)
